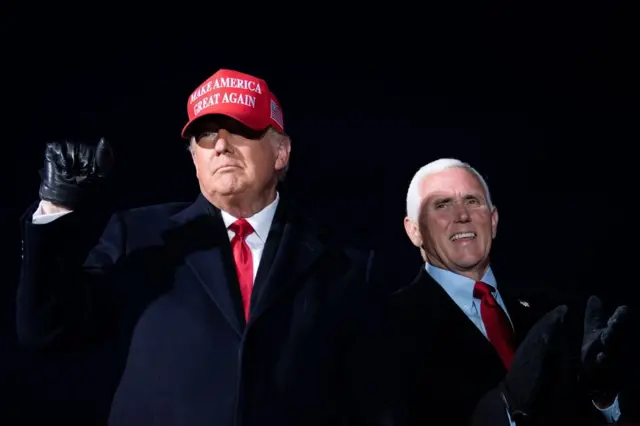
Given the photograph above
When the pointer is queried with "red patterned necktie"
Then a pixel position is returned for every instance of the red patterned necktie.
(499, 331)
(244, 261)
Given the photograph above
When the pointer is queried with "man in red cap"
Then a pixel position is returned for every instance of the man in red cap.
(238, 310)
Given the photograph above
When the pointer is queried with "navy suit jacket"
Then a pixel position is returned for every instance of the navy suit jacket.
(161, 281)
(433, 366)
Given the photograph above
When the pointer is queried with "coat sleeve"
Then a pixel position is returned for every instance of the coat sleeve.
(63, 296)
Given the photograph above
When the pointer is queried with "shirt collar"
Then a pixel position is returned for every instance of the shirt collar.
(458, 287)
(261, 221)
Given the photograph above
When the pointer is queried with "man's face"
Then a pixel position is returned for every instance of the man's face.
(231, 159)
(456, 226)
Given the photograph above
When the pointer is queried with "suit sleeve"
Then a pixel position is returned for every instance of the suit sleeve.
(63, 298)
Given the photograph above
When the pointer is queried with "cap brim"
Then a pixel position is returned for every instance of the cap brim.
(252, 124)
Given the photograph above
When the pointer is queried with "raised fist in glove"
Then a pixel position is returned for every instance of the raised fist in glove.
(72, 169)
(605, 351)
(539, 365)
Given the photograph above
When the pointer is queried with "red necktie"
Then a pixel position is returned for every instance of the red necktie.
(499, 331)
(244, 261)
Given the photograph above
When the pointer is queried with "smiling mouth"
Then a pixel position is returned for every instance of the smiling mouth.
(463, 236)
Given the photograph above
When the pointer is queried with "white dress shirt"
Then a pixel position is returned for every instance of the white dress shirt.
(261, 223)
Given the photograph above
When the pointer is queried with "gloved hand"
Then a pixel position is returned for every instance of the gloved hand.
(536, 367)
(72, 169)
(605, 348)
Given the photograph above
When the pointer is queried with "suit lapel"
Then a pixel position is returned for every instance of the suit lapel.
(522, 314)
(198, 236)
(290, 251)
(466, 338)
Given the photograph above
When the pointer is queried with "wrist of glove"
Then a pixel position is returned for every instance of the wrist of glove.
(605, 350)
(60, 192)
(534, 367)
(73, 171)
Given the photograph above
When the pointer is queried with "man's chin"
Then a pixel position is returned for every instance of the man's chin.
(471, 264)
(227, 194)
(227, 187)
(220, 192)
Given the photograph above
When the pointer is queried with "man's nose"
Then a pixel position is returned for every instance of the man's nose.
(461, 213)
(222, 142)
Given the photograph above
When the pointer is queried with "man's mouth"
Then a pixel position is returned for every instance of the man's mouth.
(226, 166)
(463, 236)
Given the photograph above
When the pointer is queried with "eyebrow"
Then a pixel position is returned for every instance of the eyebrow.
(440, 199)
(436, 199)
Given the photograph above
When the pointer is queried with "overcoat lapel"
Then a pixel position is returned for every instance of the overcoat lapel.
(291, 249)
(198, 236)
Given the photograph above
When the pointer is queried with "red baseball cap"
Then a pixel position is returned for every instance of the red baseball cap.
(242, 97)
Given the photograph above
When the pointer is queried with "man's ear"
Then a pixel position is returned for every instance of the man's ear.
(413, 232)
(283, 152)
(494, 222)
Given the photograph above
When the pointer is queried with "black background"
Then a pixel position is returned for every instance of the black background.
(540, 97)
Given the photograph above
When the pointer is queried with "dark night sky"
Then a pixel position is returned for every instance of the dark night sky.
(540, 97)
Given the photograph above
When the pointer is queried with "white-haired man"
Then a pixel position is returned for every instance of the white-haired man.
(458, 338)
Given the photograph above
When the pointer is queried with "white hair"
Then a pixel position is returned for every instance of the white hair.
(413, 194)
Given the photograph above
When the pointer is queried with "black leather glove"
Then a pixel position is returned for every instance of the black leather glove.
(72, 169)
(605, 348)
(536, 366)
